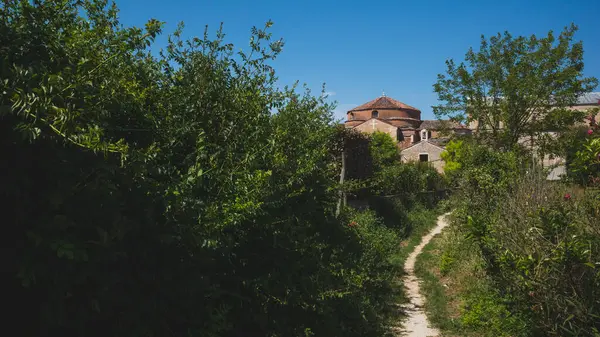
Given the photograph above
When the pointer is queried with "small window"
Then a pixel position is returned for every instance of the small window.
(424, 135)
(375, 114)
(352, 116)
(423, 157)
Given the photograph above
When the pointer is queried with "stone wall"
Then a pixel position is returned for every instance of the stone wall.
(412, 154)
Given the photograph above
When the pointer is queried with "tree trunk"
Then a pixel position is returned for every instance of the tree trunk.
(341, 194)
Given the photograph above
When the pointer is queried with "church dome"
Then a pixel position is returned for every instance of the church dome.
(384, 102)
(386, 109)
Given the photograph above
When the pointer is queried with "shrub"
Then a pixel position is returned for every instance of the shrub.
(446, 262)
(383, 150)
(485, 311)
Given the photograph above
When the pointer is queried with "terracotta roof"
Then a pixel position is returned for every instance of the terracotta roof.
(440, 124)
(384, 102)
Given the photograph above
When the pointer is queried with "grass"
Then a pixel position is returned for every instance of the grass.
(459, 297)
(422, 221)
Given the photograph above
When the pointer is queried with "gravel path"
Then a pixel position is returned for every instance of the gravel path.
(416, 324)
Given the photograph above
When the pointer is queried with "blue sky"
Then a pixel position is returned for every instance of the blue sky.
(359, 48)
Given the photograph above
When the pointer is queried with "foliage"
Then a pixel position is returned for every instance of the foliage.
(538, 243)
(585, 164)
(486, 311)
(549, 251)
(404, 179)
(452, 157)
(359, 162)
(179, 194)
(401, 191)
(407, 180)
(383, 150)
(515, 87)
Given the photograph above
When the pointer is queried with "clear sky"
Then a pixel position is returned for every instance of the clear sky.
(360, 48)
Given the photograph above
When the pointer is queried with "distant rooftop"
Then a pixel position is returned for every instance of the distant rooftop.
(589, 98)
(384, 102)
(437, 124)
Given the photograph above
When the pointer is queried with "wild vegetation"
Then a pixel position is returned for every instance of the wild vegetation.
(182, 193)
(523, 255)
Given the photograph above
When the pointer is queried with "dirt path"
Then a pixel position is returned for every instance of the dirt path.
(416, 324)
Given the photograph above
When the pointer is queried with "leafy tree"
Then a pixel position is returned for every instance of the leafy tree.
(516, 87)
(383, 150)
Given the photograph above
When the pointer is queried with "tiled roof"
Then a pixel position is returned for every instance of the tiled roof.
(425, 142)
(440, 124)
(441, 142)
(384, 102)
(589, 98)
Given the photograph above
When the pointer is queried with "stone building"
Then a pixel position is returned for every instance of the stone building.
(424, 140)
(399, 120)
(417, 139)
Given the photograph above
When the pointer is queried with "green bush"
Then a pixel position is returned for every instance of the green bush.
(446, 262)
(383, 150)
(407, 181)
(485, 311)
(401, 189)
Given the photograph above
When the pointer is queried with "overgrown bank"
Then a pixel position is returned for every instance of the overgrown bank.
(521, 257)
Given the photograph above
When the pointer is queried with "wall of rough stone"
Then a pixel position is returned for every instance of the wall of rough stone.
(412, 154)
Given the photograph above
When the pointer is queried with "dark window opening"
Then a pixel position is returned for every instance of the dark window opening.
(399, 135)
(375, 114)
(352, 116)
(423, 157)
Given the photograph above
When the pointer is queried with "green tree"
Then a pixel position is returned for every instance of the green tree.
(515, 87)
(452, 157)
(383, 150)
